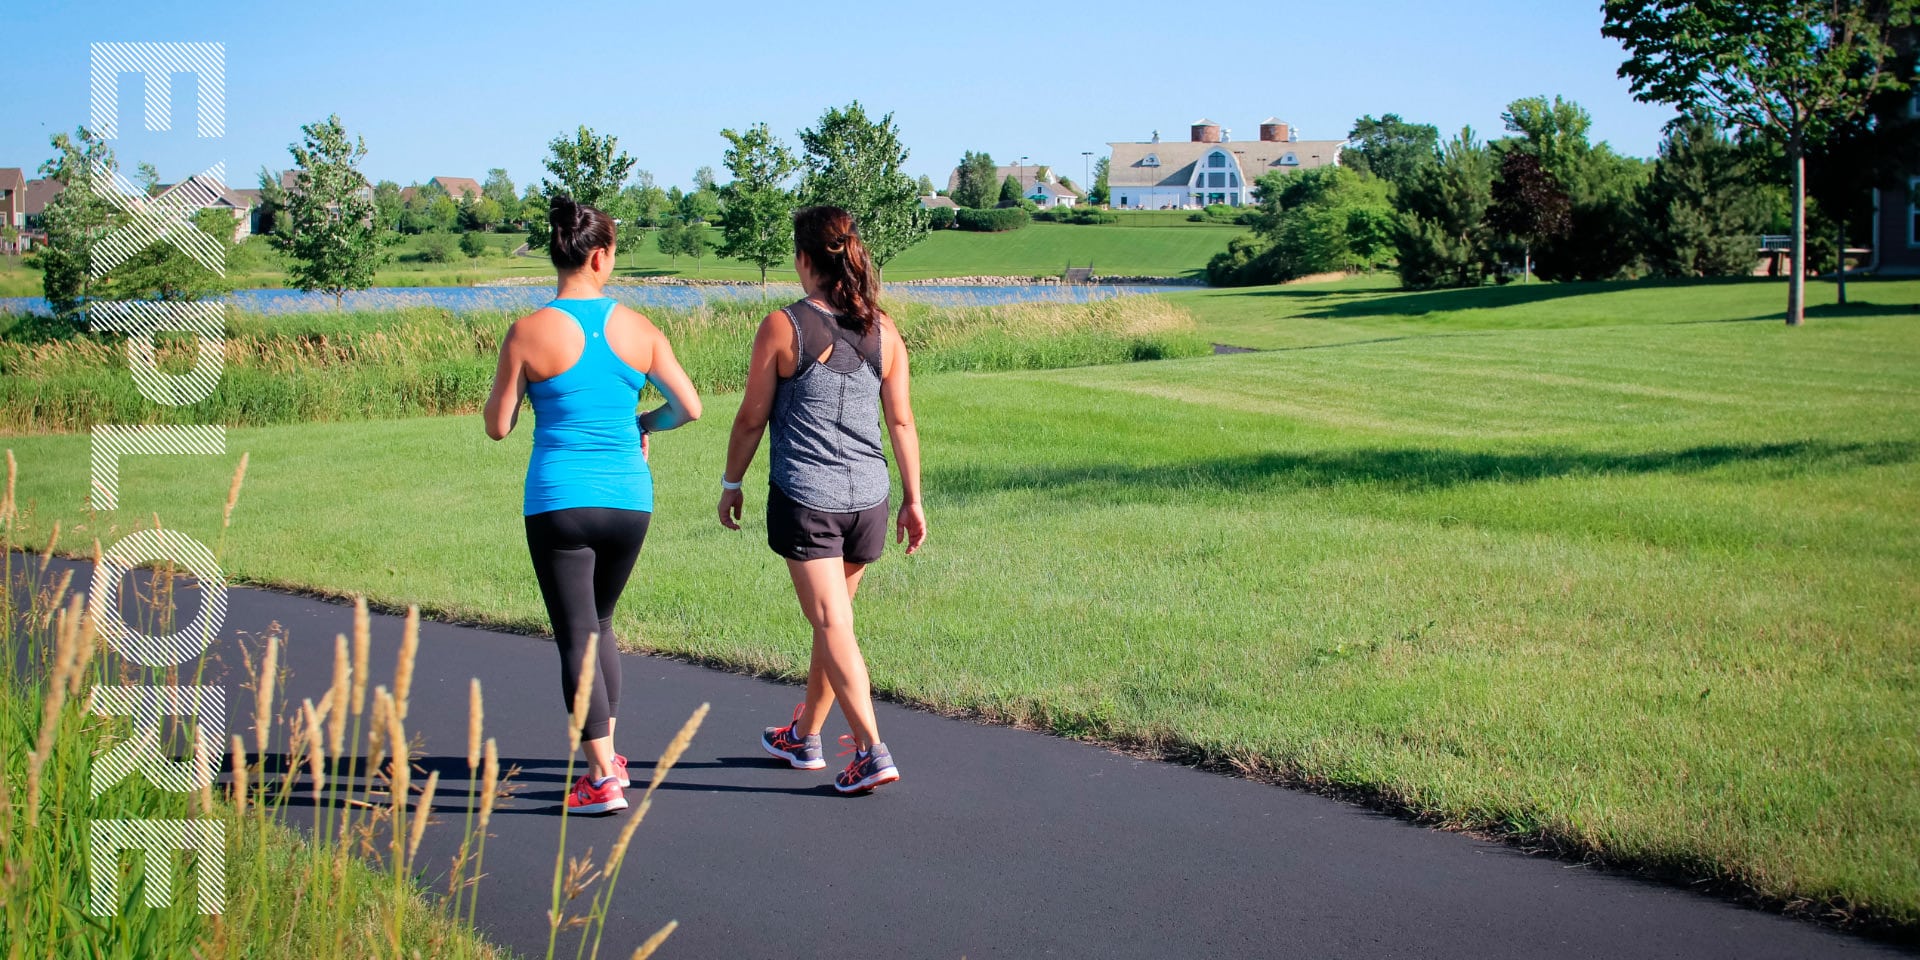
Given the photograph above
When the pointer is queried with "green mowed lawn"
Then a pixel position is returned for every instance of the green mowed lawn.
(1641, 588)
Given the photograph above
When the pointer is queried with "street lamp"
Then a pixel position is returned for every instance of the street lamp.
(1021, 176)
(1086, 173)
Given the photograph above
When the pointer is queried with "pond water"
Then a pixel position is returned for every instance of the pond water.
(272, 301)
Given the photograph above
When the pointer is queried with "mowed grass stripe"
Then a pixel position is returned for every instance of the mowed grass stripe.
(1675, 625)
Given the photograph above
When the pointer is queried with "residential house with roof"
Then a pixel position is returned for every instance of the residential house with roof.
(13, 209)
(931, 200)
(1050, 193)
(1210, 167)
(1028, 175)
(1896, 203)
(461, 189)
(211, 193)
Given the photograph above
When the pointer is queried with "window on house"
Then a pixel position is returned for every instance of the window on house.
(1290, 159)
(1123, 199)
(1913, 212)
(1233, 179)
(1152, 160)
(1217, 160)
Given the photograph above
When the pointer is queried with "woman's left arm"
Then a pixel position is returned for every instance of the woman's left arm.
(683, 401)
(509, 387)
(911, 527)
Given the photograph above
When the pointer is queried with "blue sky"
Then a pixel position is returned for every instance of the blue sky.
(460, 89)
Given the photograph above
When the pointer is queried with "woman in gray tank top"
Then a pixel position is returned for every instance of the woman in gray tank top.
(825, 372)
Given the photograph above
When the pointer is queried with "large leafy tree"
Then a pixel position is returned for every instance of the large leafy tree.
(499, 188)
(1309, 221)
(1603, 228)
(1390, 148)
(1529, 205)
(1791, 71)
(1441, 230)
(858, 164)
(973, 184)
(1877, 147)
(756, 220)
(588, 167)
(333, 244)
(75, 219)
(1703, 217)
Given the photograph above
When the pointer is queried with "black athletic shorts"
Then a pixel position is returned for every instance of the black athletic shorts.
(802, 533)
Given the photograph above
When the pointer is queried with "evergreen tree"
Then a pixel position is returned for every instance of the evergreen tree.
(1441, 230)
(1703, 217)
(1010, 195)
(1101, 194)
(973, 181)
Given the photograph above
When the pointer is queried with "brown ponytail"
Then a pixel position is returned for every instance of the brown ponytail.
(575, 231)
(830, 240)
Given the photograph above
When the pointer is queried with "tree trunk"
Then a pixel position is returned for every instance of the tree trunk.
(1797, 275)
(1840, 259)
(1526, 264)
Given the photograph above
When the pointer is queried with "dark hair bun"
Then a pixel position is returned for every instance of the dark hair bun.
(575, 230)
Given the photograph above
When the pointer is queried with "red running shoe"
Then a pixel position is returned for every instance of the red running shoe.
(590, 797)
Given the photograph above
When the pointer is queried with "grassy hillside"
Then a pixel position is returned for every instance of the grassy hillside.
(1173, 249)
(1604, 567)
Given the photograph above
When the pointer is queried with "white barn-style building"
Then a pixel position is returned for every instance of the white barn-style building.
(1209, 167)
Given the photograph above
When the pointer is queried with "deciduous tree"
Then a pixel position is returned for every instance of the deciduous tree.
(1789, 70)
(1390, 148)
(334, 245)
(1529, 205)
(756, 222)
(587, 167)
(859, 165)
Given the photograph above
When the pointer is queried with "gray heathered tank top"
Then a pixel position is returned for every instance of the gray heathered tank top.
(826, 417)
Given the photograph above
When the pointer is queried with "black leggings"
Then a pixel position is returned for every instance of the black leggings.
(582, 557)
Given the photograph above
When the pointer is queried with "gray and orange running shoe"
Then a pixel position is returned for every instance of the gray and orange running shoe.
(786, 743)
(870, 768)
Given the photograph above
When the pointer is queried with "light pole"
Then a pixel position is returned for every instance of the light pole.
(1086, 173)
(1020, 175)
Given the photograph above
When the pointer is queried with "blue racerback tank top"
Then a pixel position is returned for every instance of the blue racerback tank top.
(586, 440)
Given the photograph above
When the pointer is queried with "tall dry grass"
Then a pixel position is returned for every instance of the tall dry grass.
(423, 361)
(324, 818)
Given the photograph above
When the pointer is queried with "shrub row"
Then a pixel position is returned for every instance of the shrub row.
(1077, 215)
(997, 220)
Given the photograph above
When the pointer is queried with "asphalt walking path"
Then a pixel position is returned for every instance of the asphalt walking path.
(996, 843)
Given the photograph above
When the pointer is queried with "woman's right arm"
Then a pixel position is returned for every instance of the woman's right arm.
(756, 407)
(509, 385)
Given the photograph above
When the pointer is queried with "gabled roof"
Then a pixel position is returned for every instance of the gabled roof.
(459, 187)
(39, 192)
(1024, 174)
(1050, 189)
(212, 193)
(1127, 169)
(11, 178)
(928, 203)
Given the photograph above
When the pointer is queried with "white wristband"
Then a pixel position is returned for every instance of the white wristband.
(726, 484)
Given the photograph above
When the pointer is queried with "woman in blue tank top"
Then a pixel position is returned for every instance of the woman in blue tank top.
(583, 360)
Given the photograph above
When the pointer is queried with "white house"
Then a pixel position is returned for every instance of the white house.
(1209, 167)
(1049, 194)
